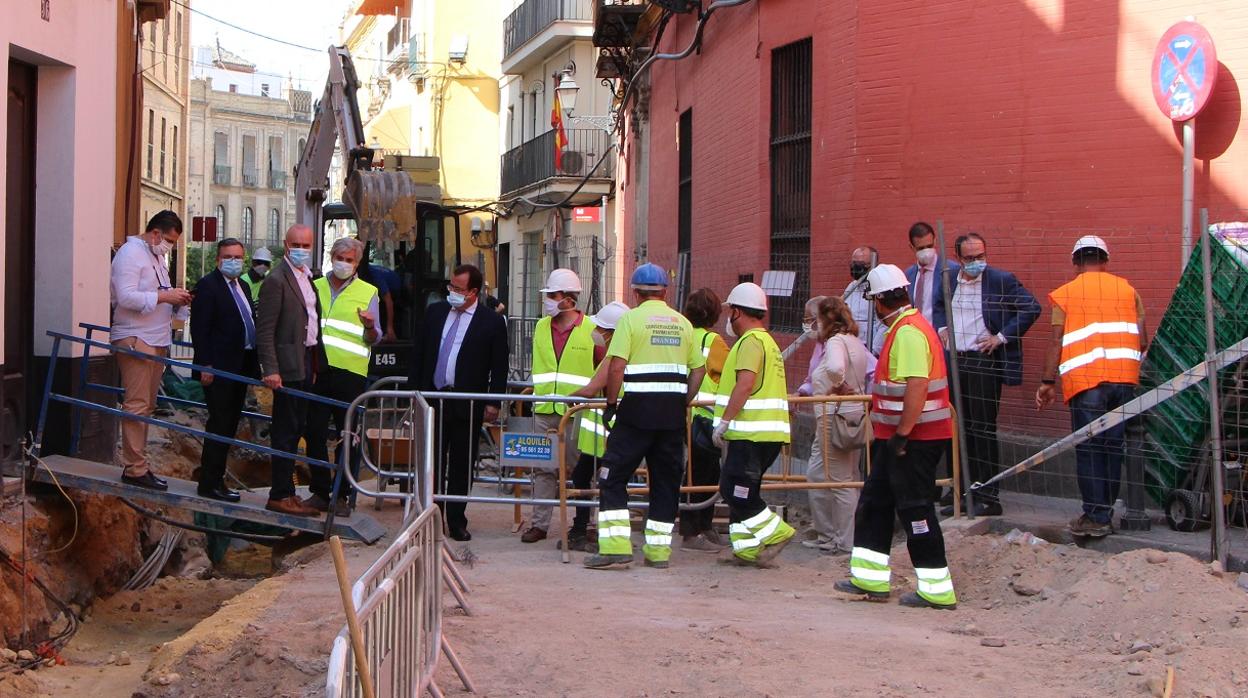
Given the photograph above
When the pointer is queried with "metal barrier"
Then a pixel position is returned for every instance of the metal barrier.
(398, 600)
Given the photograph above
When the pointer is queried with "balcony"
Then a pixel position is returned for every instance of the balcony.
(396, 39)
(615, 22)
(277, 179)
(221, 175)
(537, 25)
(251, 178)
(532, 165)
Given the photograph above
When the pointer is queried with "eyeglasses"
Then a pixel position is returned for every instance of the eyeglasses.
(453, 289)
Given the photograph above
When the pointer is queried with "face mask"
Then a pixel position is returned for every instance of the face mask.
(728, 327)
(974, 269)
(299, 257)
(455, 299)
(161, 248)
(550, 307)
(343, 270)
(260, 270)
(884, 318)
(857, 270)
(926, 256)
(808, 327)
(232, 268)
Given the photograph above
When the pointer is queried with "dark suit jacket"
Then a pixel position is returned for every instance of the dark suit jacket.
(481, 366)
(912, 273)
(217, 328)
(281, 326)
(1010, 310)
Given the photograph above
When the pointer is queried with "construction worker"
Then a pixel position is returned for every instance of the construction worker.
(350, 326)
(751, 425)
(261, 262)
(1098, 342)
(913, 424)
(697, 529)
(564, 360)
(591, 440)
(659, 368)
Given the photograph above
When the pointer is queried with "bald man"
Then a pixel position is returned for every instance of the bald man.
(289, 348)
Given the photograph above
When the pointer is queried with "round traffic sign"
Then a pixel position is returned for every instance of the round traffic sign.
(1185, 67)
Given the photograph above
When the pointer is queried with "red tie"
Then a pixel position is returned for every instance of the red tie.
(920, 290)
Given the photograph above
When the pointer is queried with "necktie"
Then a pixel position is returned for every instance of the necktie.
(244, 308)
(920, 292)
(444, 353)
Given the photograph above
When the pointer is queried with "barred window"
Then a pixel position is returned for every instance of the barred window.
(790, 177)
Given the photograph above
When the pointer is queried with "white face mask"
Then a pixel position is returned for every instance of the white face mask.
(808, 327)
(343, 270)
(926, 256)
(456, 299)
(161, 248)
(728, 327)
(550, 307)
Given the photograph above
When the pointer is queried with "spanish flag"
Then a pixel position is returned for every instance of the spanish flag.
(561, 136)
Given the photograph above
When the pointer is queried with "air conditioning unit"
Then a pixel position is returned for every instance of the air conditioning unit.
(572, 163)
(677, 6)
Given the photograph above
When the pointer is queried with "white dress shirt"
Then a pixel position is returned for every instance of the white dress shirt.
(870, 329)
(465, 321)
(137, 274)
(303, 278)
(968, 314)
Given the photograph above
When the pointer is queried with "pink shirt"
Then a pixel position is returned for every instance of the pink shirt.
(816, 357)
(303, 278)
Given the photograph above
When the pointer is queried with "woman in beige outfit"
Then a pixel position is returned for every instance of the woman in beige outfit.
(843, 370)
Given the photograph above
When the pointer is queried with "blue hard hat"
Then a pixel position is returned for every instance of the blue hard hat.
(649, 277)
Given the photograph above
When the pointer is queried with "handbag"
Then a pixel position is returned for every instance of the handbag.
(702, 432)
(848, 433)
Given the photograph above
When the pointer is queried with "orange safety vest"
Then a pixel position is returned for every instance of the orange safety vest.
(887, 397)
(1101, 336)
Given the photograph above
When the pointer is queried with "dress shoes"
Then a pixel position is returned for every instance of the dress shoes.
(460, 534)
(290, 505)
(147, 481)
(221, 493)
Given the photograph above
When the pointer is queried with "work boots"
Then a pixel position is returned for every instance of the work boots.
(608, 562)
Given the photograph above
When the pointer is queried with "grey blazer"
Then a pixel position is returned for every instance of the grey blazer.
(281, 327)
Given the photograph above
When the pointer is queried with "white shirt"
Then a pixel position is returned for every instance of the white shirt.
(845, 361)
(465, 321)
(924, 304)
(870, 329)
(303, 279)
(136, 276)
(968, 314)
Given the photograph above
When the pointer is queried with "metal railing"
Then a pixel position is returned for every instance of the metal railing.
(251, 178)
(521, 343)
(277, 179)
(533, 16)
(221, 174)
(534, 161)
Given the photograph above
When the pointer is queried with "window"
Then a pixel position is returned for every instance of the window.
(277, 175)
(264, 89)
(233, 87)
(511, 127)
(249, 162)
(220, 158)
(303, 143)
(164, 63)
(173, 171)
(151, 148)
(248, 225)
(221, 221)
(684, 214)
(177, 57)
(164, 126)
(275, 225)
(790, 177)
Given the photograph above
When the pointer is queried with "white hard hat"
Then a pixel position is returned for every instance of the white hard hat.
(609, 315)
(885, 277)
(563, 280)
(262, 254)
(748, 295)
(1091, 241)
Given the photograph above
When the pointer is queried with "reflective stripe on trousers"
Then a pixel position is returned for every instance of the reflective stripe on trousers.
(614, 533)
(749, 537)
(935, 585)
(869, 570)
(658, 545)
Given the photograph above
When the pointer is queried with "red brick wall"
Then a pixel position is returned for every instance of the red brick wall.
(1030, 121)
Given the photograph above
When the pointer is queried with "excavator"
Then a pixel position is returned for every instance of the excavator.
(408, 227)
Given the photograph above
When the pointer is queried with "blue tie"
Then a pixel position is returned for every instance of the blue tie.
(444, 353)
(245, 309)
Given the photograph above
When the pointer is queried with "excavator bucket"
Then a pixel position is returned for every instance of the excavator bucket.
(385, 203)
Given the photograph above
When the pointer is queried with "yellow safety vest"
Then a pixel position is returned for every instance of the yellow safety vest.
(566, 374)
(765, 415)
(706, 392)
(342, 333)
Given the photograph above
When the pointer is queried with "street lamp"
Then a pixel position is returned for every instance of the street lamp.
(567, 90)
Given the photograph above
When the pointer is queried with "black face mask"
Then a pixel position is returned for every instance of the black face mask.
(857, 270)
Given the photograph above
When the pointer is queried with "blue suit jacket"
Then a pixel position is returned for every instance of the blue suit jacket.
(1010, 310)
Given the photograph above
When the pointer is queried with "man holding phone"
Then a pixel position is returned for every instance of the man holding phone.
(145, 304)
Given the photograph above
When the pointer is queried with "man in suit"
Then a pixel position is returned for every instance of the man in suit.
(290, 351)
(991, 313)
(223, 331)
(461, 347)
(926, 286)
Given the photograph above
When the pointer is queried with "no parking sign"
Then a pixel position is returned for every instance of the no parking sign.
(1185, 67)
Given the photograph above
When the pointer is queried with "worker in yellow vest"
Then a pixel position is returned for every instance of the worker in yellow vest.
(913, 424)
(564, 357)
(1098, 343)
(751, 425)
(697, 532)
(261, 262)
(592, 433)
(349, 329)
(658, 367)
